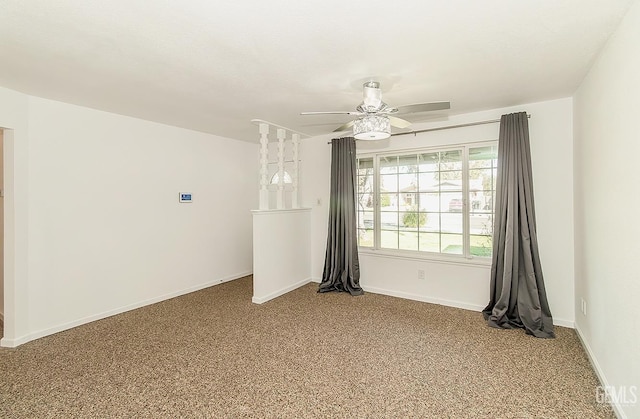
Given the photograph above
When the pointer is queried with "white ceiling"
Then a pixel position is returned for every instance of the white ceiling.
(213, 66)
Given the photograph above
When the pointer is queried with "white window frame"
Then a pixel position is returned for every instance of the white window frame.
(465, 258)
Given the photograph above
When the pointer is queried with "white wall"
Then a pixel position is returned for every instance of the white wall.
(458, 285)
(607, 204)
(281, 252)
(105, 230)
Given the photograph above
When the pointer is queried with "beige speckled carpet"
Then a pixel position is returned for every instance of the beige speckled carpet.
(213, 353)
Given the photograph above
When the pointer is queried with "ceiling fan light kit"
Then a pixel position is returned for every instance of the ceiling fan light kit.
(375, 118)
(372, 127)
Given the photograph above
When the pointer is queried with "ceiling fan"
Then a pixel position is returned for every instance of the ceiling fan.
(375, 118)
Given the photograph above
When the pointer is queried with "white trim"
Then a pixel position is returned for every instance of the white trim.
(564, 323)
(423, 298)
(12, 343)
(410, 150)
(260, 300)
(425, 257)
(617, 409)
(276, 211)
(449, 303)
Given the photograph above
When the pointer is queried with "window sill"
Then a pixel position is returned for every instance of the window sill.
(430, 258)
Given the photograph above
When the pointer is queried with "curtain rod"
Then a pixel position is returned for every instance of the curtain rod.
(470, 124)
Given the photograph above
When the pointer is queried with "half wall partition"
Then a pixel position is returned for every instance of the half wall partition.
(281, 228)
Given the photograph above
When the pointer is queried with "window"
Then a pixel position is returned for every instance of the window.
(433, 201)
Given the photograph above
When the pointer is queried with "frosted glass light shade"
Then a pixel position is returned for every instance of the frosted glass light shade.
(275, 179)
(372, 127)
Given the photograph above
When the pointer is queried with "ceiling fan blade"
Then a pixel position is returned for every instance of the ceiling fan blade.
(332, 113)
(424, 107)
(398, 122)
(344, 127)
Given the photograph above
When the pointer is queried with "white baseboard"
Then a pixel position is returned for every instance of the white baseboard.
(448, 303)
(617, 409)
(564, 323)
(416, 297)
(271, 296)
(423, 298)
(12, 343)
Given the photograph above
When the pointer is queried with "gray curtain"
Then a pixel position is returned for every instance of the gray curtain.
(341, 265)
(518, 297)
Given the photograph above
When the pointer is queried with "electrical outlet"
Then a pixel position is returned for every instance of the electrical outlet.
(421, 274)
(583, 306)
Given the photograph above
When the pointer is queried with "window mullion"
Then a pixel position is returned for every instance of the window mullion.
(398, 202)
(466, 246)
(376, 202)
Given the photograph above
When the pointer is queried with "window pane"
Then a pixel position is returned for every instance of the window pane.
(365, 237)
(408, 240)
(365, 183)
(365, 219)
(451, 243)
(481, 224)
(432, 222)
(408, 201)
(451, 202)
(480, 179)
(482, 156)
(428, 162)
(388, 165)
(429, 182)
(408, 182)
(451, 223)
(412, 220)
(388, 201)
(430, 242)
(388, 183)
(451, 160)
(429, 202)
(365, 202)
(365, 166)
(389, 239)
(388, 220)
(408, 164)
(478, 164)
(451, 180)
(481, 245)
(481, 202)
(482, 184)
